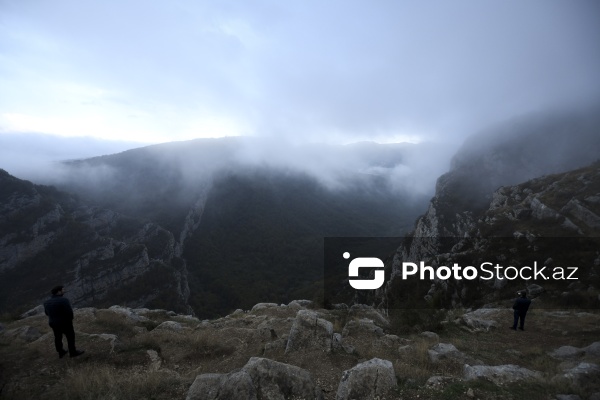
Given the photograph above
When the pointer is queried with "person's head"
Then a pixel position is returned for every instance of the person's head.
(523, 293)
(58, 290)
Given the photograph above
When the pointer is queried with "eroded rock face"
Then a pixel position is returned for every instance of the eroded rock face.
(260, 378)
(310, 332)
(468, 203)
(96, 253)
(367, 380)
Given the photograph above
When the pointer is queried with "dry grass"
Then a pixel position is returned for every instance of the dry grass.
(32, 370)
(98, 381)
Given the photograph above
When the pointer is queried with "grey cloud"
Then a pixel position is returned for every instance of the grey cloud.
(316, 71)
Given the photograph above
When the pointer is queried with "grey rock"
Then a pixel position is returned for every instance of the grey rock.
(238, 312)
(566, 352)
(480, 320)
(430, 335)
(310, 332)
(107, 337)
(338, 343)
(389, 341)
(593, 349)
(274, 347)
(260, 378)
(500, 374)
(354, 327)
(127, 312)
(581, 375)
(443, 351)
(170, 326)
(155, 360)
(542, 211)
(579, 211)
(438, 381)
(363, 311)
(275, 380)
(234, 386)
(301, 303)
(39, 310)
(367, 380)
(263, 306)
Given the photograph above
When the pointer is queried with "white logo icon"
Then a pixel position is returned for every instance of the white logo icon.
(365, 262)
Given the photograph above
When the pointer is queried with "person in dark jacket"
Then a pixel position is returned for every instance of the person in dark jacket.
(521, 306)
(60, 318)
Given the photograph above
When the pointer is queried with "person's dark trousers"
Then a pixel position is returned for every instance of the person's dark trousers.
(67, 330)
(521, 316)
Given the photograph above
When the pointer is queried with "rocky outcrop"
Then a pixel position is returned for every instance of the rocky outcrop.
(166, 347)
(447, 351)
(567, 352)
(368, 380)
(483, 194)
(528, 214)
(581, 375)
(260, 378)
(309, 332)
(500, 374)
(480, 320)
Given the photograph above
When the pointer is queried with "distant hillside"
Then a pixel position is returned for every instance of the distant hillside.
(225, 234)
(48, 237)
(213, 225)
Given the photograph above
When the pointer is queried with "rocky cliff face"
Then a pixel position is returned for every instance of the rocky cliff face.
(48, 237)
(553, 220)
(511, 182)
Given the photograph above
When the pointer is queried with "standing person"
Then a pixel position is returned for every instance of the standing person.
(60, 318)
(521, 306)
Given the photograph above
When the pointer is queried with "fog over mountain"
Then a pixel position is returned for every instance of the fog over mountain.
(335, 72)
(224, 124)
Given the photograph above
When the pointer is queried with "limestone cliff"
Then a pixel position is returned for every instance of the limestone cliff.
(48, 237)
(511, 182)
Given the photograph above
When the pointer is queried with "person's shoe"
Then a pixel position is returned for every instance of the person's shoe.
(62, 353)
(513, 328)
(521, 328)
(77, 353)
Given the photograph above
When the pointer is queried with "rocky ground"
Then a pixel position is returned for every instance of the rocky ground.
(295, 351)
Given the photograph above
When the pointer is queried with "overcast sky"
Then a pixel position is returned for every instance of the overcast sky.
(332, 71)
